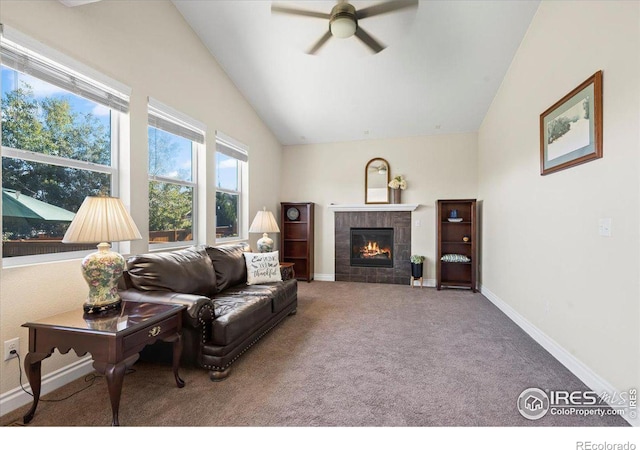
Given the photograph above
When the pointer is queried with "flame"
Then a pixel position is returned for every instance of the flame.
(372, 249)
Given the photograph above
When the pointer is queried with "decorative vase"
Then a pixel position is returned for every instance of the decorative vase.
(416, 270)
(396, 196)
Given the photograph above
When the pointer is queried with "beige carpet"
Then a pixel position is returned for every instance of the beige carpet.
(355, 355)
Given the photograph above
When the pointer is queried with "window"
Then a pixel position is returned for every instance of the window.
(59, 145)
(231, 169)
(173, 147)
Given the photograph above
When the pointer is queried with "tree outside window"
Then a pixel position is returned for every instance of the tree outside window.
(171, 187)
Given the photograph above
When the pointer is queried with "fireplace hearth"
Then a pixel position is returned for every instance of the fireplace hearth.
(372, 247)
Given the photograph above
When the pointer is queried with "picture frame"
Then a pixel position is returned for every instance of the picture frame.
(571, 129)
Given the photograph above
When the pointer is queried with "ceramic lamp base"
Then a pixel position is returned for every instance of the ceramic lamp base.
(265, 244)
(102, 270)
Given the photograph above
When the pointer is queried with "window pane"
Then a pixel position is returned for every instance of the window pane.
(39, 202)
(170, 155)
(227, 172)
(43, 118)
(170, 212)
(227, 215)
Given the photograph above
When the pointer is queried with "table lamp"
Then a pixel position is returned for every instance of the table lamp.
(103, 220)
(264, 222)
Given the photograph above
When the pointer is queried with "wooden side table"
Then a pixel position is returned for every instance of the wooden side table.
(287, 270)
(114, 341)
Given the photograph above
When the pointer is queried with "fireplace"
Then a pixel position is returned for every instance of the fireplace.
(396, 271)
(371, 247)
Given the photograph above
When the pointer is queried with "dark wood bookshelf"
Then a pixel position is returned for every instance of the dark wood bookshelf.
(450, 238)
(297, 238)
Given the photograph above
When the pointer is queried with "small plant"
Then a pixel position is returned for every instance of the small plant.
(417, 259)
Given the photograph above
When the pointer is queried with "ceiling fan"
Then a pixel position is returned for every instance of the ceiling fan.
(344, 20)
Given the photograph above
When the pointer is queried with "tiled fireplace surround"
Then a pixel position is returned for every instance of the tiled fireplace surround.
(400, 221)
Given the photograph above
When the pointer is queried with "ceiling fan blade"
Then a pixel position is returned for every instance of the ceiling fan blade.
(384, 8)
(299, 12)
(369, 40)
(325, 37)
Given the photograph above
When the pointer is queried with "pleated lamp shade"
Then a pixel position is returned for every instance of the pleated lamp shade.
(264, 222)
(102, 220)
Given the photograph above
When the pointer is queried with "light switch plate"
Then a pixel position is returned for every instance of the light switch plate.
(604, 227)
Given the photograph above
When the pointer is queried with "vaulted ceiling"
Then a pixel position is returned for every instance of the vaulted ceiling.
(439, 72)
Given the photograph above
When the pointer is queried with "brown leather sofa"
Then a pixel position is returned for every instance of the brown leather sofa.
(224, 316)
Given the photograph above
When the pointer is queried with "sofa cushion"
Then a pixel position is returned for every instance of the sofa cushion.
(282, 294)
(228, 263)
(262, 267)
(188, 271)
(237, 316)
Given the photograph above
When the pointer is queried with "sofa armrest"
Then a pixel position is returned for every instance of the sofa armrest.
(199, 308)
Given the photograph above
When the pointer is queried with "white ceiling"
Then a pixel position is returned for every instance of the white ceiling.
(443, 64)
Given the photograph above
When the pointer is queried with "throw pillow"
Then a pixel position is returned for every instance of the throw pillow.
(228, 263)
(262, 267)
(455, 258)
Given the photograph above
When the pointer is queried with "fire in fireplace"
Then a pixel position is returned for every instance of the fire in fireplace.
(372, 247)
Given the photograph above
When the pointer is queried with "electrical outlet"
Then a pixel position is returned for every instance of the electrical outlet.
(9, 346)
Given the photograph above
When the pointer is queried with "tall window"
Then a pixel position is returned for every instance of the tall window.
(173, 144)
(231, 165)
(59, 145)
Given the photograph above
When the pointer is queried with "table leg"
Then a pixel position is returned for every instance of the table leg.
(177, 354)
(115, 377)
(33, 367)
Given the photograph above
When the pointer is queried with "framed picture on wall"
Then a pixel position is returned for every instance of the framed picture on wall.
(571, 129)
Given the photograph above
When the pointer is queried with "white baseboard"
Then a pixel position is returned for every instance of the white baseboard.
(324, 276)
(427, 282)
(575, 366)
(14, 399)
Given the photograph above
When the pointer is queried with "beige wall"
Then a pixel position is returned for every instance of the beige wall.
(442, 166)
(147, 46)
(541, 251)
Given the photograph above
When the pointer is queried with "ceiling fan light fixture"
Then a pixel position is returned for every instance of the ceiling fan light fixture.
(343, 22)
(343, 27)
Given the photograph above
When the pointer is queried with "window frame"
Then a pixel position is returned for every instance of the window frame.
(237, 151)
(18, 42)
(189, 129)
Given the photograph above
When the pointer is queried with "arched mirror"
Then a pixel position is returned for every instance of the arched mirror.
(376, 181)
